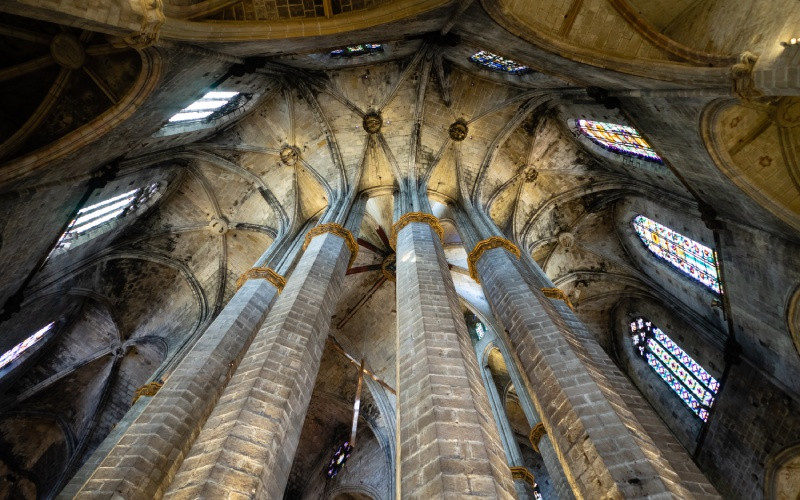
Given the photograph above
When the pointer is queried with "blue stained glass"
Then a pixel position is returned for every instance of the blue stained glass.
(695, 386)
(618, 139)
(357, 50)
(498, 63)
(694, 259)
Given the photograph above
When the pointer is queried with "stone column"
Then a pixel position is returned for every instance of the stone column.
(448, 446)
(605, 451)
(144, 459)
(246, 448)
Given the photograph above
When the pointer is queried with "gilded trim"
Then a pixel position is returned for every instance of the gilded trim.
(149, 390)
(557, 293)
(338, 230)
(536, 435)
(524, 474)
(264, 273)
(484, 245)
(388, 261)
(410, 217)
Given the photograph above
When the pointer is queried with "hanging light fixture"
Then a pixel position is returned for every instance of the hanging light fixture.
(346, 449)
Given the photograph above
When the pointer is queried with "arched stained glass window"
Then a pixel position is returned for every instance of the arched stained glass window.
(357, 50)
(618, 139)
(476, 328)
(695, 386)
(498, 63)
(23, 346)
(694, 259)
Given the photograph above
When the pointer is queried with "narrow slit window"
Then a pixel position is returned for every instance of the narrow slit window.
(693, 259)
(619, 139)
(357, 50)
(96, 215)
(23, 346)
(498, 63)
(690, 381)
(204, 107)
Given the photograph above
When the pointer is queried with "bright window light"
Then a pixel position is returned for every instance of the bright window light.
(18, 349)
(204, 107)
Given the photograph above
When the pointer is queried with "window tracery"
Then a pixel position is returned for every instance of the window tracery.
(357, 50)
(16, 351)
(693, 259)
(619, 139)
(690, 381)
(494, 62)
(101, 213)
(204, 107)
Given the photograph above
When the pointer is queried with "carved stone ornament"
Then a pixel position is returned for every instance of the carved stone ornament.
(557, 293)
(742, 75)
(388, 267)
(263, 273)
(67, 51)
(458, 130)
(524, 474)
(484, 245)
(289, 155)
(410, 217)
(152, 12)
(218, 225)
(566, 239)
(536, 435)
(372, 122)
(338, 230)
(149, 390)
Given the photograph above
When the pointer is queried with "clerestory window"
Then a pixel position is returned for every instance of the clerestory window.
(17, 351)
(690, 381)
(693, 259)
(619, 139)
(476, 328)
(357, 50)
(211, 103)
(102, 213)
(494, 62)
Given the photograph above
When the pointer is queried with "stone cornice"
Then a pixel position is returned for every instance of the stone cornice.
(557, 293)
(262, 273)
(524, 474)
(536, 434)
(410, 217)
(484, 245)
(338, 230)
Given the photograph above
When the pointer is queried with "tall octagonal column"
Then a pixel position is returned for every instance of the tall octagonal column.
(248, 444)
(604, 449)
(448, 445)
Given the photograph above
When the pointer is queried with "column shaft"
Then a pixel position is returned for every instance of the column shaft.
(248, 444)
(448, 444)
(146, 457)
(606, 453)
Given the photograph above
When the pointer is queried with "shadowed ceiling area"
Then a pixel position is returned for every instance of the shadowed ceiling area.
(88, 120)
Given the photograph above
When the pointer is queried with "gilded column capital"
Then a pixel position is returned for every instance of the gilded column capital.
(536, 435)
(388, 267)
(557, 293)
(524, 474)
(338, 230)
(484, 245)
(410, 217)
(147, 390)
(262, 273)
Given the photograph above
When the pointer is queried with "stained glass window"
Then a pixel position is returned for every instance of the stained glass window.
(476, 328)
(695, 386)
(694, 259)
(338, 460)
(204, 107)
(357, 50)
(101, 213)
(618, 139)
(498, 63)
(18, 349)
